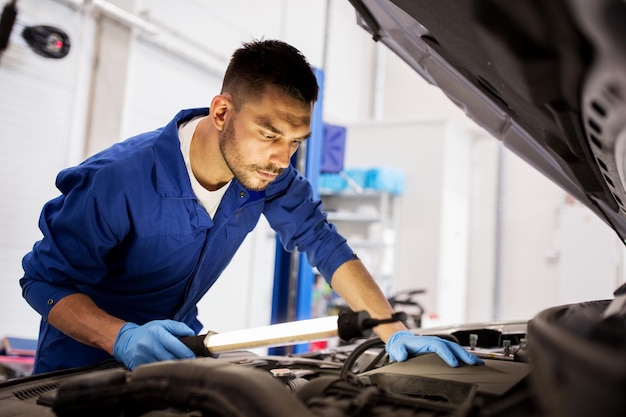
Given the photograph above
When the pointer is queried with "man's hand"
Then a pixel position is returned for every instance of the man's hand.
(154, 341)
(403, 344)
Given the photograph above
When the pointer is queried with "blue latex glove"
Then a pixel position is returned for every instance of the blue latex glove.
(154, 341)
(403, 343)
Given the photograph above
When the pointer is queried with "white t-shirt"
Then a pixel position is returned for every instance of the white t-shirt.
(210, 200)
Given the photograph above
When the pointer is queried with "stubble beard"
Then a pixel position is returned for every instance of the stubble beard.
(246, 175)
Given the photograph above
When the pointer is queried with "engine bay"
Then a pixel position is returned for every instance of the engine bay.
(351, 379)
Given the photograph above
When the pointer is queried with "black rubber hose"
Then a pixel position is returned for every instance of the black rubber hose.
(346, 369)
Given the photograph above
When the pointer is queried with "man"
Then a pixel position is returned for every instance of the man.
(144, 228)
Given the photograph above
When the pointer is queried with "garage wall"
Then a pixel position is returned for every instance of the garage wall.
(42, 117)
(436, 215)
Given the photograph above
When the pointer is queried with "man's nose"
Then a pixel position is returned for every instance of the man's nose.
(281, 154)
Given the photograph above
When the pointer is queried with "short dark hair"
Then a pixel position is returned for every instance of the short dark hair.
(260, 63)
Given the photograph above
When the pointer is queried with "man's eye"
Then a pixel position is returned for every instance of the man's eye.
(268, 137)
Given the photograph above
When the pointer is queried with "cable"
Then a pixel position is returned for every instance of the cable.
(346, 370)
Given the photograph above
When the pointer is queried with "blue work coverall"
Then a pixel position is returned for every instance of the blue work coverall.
(128, 232)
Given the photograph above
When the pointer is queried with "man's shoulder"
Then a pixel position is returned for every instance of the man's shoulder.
(126, 152)
(119, 164)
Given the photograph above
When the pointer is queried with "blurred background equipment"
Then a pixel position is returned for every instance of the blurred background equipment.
(45, 40)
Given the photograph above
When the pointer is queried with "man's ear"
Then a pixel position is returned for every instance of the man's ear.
(221, 105)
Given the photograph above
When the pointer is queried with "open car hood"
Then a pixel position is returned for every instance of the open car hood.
(547, 78)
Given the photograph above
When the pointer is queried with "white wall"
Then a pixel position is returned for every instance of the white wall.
(40, 118)
(56, 112)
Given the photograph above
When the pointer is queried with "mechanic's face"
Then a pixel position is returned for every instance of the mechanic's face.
(257, 141)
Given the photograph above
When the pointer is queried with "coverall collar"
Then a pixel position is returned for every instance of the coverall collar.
(172, 180)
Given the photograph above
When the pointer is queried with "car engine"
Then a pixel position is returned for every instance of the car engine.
(351, 379)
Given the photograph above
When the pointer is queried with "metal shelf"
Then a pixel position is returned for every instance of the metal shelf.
(368, 221)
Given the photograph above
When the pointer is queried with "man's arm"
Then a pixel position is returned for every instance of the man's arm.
(77, 316)
(357, 287)
(353, 282)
